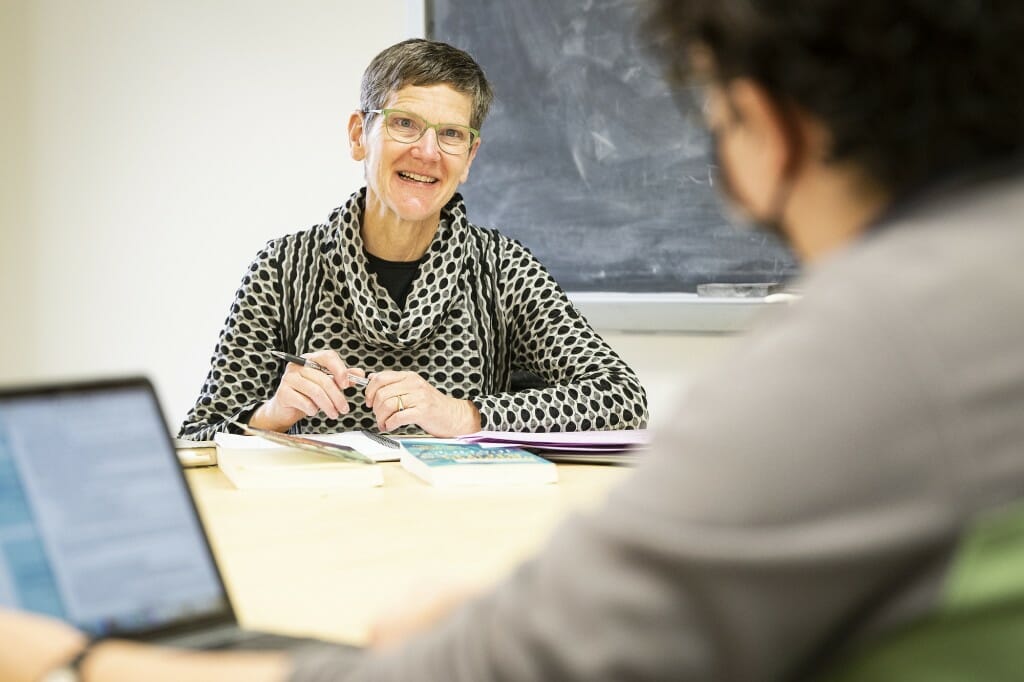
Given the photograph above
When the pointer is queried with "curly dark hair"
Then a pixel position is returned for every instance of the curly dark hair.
(909, 89)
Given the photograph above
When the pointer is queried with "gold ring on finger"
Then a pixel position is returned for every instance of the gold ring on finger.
(401, 405)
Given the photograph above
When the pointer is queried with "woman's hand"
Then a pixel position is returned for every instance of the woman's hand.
(34, 645)
(402, 398)
(305, 392)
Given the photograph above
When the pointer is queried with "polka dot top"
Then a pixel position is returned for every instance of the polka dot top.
(480, 307)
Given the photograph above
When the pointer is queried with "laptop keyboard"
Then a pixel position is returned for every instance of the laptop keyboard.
(233, 637)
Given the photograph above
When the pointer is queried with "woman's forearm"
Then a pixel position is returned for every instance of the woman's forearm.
(118, 661)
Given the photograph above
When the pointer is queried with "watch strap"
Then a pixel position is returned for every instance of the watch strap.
(71, 669)
(75, 663)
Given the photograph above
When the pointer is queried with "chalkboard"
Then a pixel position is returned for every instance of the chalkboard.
(586, 157)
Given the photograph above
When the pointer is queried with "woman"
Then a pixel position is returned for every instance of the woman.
(399, 287)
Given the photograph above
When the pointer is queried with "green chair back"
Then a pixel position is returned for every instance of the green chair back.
(977, 634)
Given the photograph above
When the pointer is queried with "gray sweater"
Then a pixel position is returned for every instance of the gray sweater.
(809, 489)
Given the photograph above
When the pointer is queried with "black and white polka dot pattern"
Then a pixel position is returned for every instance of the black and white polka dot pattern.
(480, 307)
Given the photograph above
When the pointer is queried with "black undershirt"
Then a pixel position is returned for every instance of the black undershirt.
(395, 276)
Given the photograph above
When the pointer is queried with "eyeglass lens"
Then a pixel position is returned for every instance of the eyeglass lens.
(407, 127)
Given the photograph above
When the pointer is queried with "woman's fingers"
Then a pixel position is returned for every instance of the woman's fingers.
(313, 391)
(338, 379)
(297, 401)
(405, 398)
(384, 385)
(340, 372)
(316, 391)
(396, 398)
(391, 394)
(406, 409)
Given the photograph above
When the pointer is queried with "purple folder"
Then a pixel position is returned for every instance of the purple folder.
(566, 441)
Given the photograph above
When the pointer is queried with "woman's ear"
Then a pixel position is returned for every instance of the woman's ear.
(356, 138)
(469, 161)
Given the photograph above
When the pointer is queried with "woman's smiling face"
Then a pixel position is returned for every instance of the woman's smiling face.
(412, 181)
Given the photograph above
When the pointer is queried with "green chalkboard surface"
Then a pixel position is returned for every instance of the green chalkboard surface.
(587, 158)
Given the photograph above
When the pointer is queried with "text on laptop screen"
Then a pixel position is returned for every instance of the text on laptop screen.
(96, 526)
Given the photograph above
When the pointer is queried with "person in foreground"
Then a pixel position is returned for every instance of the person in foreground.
(810, 491)
(399, 286)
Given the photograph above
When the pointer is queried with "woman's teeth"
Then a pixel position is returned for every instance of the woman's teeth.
(416, 177)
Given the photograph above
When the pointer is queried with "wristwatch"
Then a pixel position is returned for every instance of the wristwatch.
(65, 673)
(69, 672)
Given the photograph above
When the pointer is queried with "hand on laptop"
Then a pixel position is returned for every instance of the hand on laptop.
(34, 645)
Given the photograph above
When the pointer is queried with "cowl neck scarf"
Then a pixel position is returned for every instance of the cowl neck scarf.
(378, 319)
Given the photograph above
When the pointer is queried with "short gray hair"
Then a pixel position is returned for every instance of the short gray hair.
(422, 63)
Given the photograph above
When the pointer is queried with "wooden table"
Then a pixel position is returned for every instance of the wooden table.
(324, 563)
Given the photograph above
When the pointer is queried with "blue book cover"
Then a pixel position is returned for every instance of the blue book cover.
(470, 464)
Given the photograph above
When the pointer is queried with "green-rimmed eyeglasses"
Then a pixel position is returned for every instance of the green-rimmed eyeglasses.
(407, 127)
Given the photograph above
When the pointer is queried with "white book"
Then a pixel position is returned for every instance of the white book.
(252, 462)
(354, 439)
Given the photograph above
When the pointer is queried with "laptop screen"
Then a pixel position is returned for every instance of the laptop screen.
(97, 526)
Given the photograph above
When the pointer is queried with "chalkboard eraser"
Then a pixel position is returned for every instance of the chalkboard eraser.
(733, 290)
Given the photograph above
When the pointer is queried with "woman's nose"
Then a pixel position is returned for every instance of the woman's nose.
(428, 145)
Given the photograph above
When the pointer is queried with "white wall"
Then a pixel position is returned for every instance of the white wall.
(154, 147)
(17, 327)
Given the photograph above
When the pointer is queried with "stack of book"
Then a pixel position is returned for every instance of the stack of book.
(337, 460)
(569, 447)
(350, 459)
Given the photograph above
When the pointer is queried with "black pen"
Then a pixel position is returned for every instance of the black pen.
(312, 364)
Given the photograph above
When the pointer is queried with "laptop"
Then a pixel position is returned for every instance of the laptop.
(97, 524)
